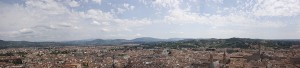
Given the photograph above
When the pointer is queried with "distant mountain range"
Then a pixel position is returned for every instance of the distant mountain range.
(150, 39)
(187, 42)
(8, 44)
(227, 43)
(120, 41)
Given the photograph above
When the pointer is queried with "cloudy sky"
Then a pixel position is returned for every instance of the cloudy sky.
(61, 20)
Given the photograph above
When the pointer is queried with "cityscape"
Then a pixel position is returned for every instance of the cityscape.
(149, 33)
(187, 53)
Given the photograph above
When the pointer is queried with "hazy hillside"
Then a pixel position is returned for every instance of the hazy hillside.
(225, 43)
(155, 42)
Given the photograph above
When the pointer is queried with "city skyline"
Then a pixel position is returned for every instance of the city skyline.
(63, 20)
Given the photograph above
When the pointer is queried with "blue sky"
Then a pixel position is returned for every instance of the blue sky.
(61, 20)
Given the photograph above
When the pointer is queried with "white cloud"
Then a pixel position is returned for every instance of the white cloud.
(138, 34)
(46, 6)
(105, 30)
(176, 33)
(42, 20)
(230, 22)
(105, 23)
(53, 19)
(120, 10)
(125, 7)
(131, 7)
(97, 15)
(37, 19)
(22, 33)
(102, 23)
(277, 8)
(132, 23)
(105, 17)
(17, 17)
(167, 3)
(96, 23)
(86, 1)
(180, 16)
(97, 1)
(128, 7)
(74, 3)
(218, 1)
(67, 25)
(26, 31)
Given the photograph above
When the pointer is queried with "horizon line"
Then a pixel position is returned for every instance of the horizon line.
(151, 37)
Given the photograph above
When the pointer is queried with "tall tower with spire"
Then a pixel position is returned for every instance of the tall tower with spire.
(211, 60)
(113, 61)
(260, 53)
(224, 58)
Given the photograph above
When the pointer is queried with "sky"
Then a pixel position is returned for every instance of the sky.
(63, 20)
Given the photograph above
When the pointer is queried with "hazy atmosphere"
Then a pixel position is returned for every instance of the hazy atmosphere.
(62, 20)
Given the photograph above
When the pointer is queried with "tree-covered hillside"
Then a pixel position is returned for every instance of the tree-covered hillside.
(224, 43)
